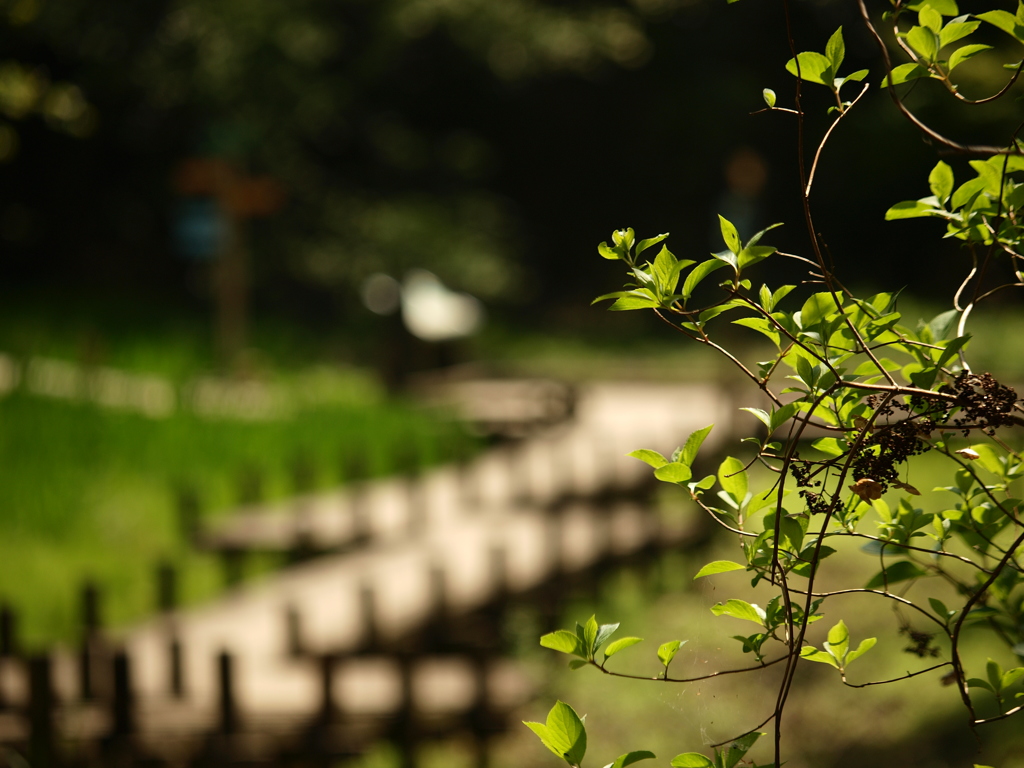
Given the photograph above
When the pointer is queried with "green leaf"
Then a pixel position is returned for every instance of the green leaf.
(965, 52)
(924, 42)
(620, 644)
(667, 651)
(718, 566)
(590, 636)
(645, 244)
(631, 757)
(941, 325)
(865, 645)
(1004, 21)
(769, 97)
(603, 633)
(966, 192)
(698, 273)
(945, 7)
(940, 609)
(739, 609)
(691, 760)
(977, 682)
(897, 572)
(735, 750)
(810, 653)
(930, 18)
(835, 50)
(912, 209)
(817, 308)
(838, 640)
(563, 733)
(607, 252)
(905, 73)
(753, 254)
(761, 325)
(733, 478)
(956, 30)
(634, 300)
(647, 456)
(1011, 676)
(814, 68)
(940, 180)
(693, 444)
(782, 415)
(830, 446)
(565, 641)
(729, 234)
(761, 416)
(577, 663)
(675, 472)
(994, 673)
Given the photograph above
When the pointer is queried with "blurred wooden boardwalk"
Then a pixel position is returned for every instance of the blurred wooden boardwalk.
(397, 625)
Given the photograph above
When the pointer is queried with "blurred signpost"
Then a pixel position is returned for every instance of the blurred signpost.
(218, 200)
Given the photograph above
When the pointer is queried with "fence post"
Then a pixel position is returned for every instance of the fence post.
(368, 617)
(227, 705)
(328, 709)
(293, 631)
(177, 667)
(480, 715)
(233, 560)
(405, 720)
(123, 704)
(90, 597)
(436, 625)
(166, 587)
(358, 506)
(40, 711)
(8, 631)
(188, 513)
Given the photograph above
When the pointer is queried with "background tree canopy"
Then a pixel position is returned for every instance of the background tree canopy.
(488, 142)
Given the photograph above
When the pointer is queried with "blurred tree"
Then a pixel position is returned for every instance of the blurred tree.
(365, 111)
(481, 140)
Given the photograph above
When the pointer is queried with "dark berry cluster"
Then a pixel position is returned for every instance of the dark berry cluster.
(882, 453)
(816, 504)
(983, 402)
(920, 642)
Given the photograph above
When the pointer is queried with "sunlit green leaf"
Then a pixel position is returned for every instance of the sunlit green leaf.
(733, 478)
(810, 653)
(630, 757)
(693, 444)
(691, 760)
(729, 234)
(941, 181)
(718, 566)
(835, 50)
(620, 644)
(697, 274)
(648, 456)
(565, 641)
(667, 651)
(563, 733)
(739, 609)
(924, 42)
(813, 67)
(905, 73)
(674, 472)
(965, 52)
(863, 647)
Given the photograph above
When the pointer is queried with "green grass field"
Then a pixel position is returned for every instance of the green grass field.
(92, 493)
